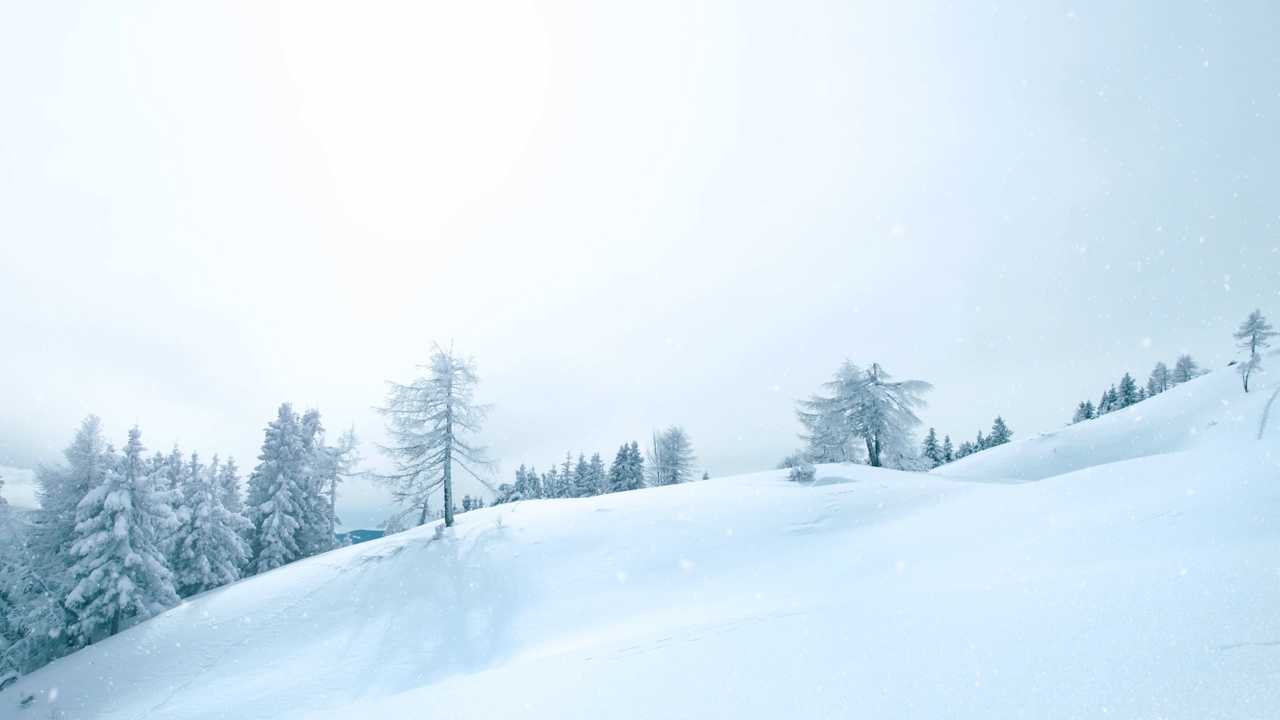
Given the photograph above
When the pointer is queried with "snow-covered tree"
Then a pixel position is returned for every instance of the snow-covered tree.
(627, 470)
(597, 477)
(948, 453)
(211, 549)
(120, 570)
(1184, 369)
(229, 487)
(930, 450)
(1159, 380)
(582, 485)
(319, 472)
(1128, 391)
(867, 405)
(1254, 335)
(431, 423)
(670, 457)
(274, 505)
(1084, 412)
(1000, 433)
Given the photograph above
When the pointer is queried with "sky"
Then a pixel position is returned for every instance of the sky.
(632, 215)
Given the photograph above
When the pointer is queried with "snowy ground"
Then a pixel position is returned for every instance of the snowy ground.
(1124, 567)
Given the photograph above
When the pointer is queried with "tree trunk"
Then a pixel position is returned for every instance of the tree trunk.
(448, 464)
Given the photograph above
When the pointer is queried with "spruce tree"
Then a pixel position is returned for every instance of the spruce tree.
(1000, 433)
(229, 487)
(948, 453)
(1084, 412)
(211, 548)
(597, 477)
(1128, 392)
(276, 487)
(120, 570)
(930, 450)
(627, 470)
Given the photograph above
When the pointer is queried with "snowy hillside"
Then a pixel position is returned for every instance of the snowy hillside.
(1138, 576)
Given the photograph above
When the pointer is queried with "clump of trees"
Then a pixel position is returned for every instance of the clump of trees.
(936, 454)
(671, 460)
(1128, 392)
(119, 536)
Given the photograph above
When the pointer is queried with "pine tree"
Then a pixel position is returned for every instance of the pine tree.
(229, 487)
(211, 547)
(868, 406)
(319, 472)
(429, 424)
(1084, 412)
(627, 470)
(980, 444)
(597, 477)
(1128, 393)
(948, 453)
(966, 448)
(1184, 369)
(120, 571)
(582, 486)
(276, 488)
(1000, 433)
(930, 450)
(1253, 336)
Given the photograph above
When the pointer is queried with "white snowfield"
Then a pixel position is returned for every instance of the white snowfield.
(1125, 567)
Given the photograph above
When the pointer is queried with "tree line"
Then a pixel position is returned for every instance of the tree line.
(120, 536)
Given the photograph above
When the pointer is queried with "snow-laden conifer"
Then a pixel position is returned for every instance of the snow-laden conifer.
(120, 570)
(211, 547)
(276, 487)
(627, 470)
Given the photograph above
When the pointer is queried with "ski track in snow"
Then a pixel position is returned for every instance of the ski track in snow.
(1266, 414)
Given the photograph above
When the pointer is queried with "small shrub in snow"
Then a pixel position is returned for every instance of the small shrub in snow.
(804, 472)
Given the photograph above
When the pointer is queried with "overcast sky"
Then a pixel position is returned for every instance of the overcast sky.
(632, 214)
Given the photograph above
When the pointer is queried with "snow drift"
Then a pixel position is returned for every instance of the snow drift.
(1126, 566)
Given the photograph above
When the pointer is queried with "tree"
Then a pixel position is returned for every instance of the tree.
(229, 487)
(211, 549)
(868, 406)
(597, 478)
(948, 454)
(276, 490)
(1128, 393)
(1253, 336)
(120, 570)
(430, 422)
(670, 457)
(1083, 412)
(1184, 369)
(627, 470)
(966, 448)
(930, 450)
(1000, 433)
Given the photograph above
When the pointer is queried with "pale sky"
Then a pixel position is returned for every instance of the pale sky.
(632, 214)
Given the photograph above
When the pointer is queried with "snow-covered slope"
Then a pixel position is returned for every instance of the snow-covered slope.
(1138, 577)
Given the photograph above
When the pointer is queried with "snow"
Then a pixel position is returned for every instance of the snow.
(1121, 567)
